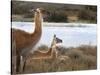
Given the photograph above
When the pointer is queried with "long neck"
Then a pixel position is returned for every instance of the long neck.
(36, 35)
(38, 22)
(53, 46)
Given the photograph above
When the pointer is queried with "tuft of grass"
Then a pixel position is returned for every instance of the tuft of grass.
(88, 50)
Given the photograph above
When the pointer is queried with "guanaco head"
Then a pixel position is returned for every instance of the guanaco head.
(55, 41)
(38, 10)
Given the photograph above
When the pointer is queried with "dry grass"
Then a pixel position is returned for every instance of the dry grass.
(81, 58)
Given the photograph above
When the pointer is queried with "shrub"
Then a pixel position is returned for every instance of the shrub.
(80, 58)
(43, 47)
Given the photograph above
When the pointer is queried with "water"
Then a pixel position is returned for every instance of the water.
(71, 36)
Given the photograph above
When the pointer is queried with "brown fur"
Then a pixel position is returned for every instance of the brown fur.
(24, 40)
(50, 54)
(42, 55)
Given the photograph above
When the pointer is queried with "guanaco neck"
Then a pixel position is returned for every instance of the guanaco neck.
(36, 35)
(38, 22)
(53, 46)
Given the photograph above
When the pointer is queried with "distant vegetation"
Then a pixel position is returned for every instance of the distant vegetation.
(81, 58)
(54, 12)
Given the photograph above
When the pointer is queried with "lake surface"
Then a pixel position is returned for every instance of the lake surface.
(75, 35)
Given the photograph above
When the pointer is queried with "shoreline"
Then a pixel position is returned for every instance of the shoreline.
(51, 24)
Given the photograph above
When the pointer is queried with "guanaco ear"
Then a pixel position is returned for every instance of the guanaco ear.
(42, 10)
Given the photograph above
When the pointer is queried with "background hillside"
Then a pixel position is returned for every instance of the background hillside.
(54, 12)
